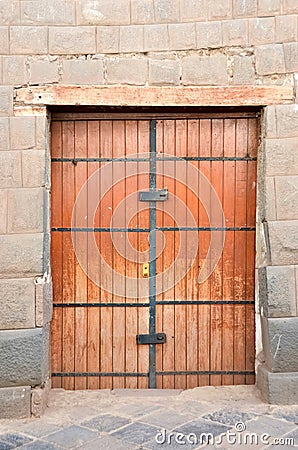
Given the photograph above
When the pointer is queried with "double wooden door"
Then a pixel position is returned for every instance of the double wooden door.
(152, 250)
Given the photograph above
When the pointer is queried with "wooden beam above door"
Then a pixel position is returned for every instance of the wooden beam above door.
(153, 96)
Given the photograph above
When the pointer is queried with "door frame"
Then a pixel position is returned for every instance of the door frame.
(38, 101)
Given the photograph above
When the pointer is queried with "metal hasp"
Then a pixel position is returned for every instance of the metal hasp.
(157, 338)
(160, 195)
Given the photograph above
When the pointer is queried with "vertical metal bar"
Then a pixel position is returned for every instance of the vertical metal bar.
(152, 253)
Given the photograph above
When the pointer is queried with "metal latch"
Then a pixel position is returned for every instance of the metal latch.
(157, 338)
(160, 195)
(145, 270)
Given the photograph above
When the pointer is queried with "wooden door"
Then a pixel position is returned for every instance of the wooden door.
(196, 169)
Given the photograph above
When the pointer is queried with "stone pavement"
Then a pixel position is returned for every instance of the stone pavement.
(235, 417)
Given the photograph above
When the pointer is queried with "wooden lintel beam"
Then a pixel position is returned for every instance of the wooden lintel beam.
(154, 96)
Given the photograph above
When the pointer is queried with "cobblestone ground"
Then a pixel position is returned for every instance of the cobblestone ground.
(235, 417)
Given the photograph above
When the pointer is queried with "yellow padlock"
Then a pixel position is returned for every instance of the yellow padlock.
(146, 270)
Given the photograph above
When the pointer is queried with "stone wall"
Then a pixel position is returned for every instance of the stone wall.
(140, 42)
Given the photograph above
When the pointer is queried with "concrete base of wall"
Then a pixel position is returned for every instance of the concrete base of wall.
(277, 388)
(15, 402)
(40, 398)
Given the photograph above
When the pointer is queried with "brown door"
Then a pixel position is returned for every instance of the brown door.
(153, 248)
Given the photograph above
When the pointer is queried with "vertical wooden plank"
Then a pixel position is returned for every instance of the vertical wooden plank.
(131, 267)
(93, 291)
(81, 337)
(240, 250)
(216, 276)
(204, 240)
(118, 261)
(228, 253)
(68, 354)
(56, 253)
(106, 249)
(168, 258)
(160, 212)
(180, 267)
(192, 286)
(143, 222)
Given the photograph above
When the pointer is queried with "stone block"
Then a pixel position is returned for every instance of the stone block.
(6, 101)
(280, 343)
(24, 357)
(21, 254)
(204, 70)
(182, 36)
(132, 39)
(105, 12)
(3, 209)
(261, 30)
(235, 32)
(277, 388)
(209, 34)
(277, 294)
(156, 38)
(17, 303)
(269, 122)
(4, 40)
(127, 71)
(247, 8)
(25, 210)
(9, 12)
(43, 12)
(108, 39)
(166, 11)
(284, 242)
(14, 70)
(286, 197)
(290, 6)
(43, 300)
(15, 402)
(10, 170)
(269, 199)
(22, 132)
(291, 56)
(281, 156)
(44, 72)
(42, 133)
(285, 29)
(72, 40)
(193, 10)
(219, 9)
(269, 7)
(40, 398)
(4, 133)
(33, 168)
(270, 59)
(28, 40)
(287, 121)
(77, 71)
(142, 11)
(244, 72)
(164, 72)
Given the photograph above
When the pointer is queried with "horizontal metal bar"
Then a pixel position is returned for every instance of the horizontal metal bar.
(144, 304)
(147, 230)
(159, 158)
(208, 372)
(99, 374)
(99, 305)
(139, 374)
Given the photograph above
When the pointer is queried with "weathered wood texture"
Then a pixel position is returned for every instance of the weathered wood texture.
(199, 337)
(154, 96)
